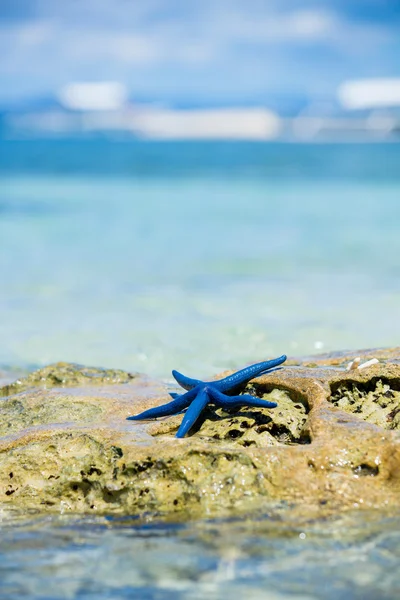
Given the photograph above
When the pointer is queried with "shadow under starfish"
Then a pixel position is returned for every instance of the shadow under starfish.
(222, 393)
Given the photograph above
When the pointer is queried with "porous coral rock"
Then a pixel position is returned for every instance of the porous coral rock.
(333, 442)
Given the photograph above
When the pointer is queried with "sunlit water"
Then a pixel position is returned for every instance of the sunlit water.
(160, 261)
(355, 557)
(198, 257)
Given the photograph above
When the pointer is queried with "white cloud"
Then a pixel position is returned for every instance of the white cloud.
(310, 24)
(94, 46)
(42, 43)
(160, 39)
(280, 27)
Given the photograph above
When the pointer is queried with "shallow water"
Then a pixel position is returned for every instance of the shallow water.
(354, 556)
(200, 257)
(152, 257)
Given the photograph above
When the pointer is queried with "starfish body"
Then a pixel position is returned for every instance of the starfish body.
(222, 393)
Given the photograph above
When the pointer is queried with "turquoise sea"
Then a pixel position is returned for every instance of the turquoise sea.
(200, 257)
(197, 256)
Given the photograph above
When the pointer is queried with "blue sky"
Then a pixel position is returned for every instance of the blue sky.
(233, 51)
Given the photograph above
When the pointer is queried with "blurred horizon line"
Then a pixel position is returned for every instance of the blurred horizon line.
(364, 110)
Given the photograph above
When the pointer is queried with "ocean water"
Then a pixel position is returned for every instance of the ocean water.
(262, 557)
(152, 256)
(200, 257)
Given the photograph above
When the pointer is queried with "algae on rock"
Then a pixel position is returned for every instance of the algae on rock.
(331, 444)
(376, 403)
(255, 426)
(67, 375)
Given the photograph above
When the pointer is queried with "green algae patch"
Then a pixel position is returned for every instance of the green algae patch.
(47, 472)
(67, 375)
(207, 480)
(376, 402)
(35, 410)
(81, 473)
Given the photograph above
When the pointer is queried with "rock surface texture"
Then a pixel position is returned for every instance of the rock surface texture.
(333, 442)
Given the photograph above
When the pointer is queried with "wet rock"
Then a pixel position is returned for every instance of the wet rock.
(66, 375)
(333, 442)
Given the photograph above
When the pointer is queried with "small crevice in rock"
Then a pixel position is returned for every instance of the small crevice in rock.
(112, 496)
(376, 401)
(233, 434)
(92, 471)
(366, 386)
(136, 468)
(118, 453)
(83, 486)
(249, 426)
(365, 470)
(299, 400)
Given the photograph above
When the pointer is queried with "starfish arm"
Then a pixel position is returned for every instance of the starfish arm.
(171, 408)
(236, 401)
(186, 382)
(193, 412)
(174, 395)
(244, 375)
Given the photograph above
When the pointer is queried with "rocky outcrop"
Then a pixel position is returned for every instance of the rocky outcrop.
(332, 443)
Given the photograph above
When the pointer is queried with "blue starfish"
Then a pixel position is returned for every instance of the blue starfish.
(221, 393)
